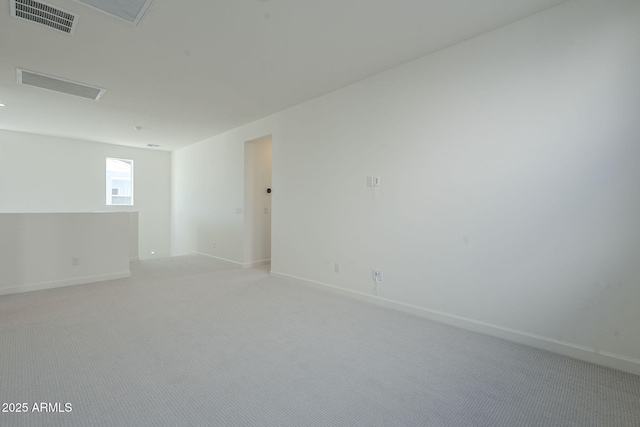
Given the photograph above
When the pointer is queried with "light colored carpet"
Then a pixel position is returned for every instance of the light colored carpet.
(190, 341)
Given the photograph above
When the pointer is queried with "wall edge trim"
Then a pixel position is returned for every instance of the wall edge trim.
(218, 258)
(598, 357)
(256, 263)
(63, 283)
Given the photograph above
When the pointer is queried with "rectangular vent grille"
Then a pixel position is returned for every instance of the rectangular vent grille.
(129, 10)
(43, 81)
(44, 14)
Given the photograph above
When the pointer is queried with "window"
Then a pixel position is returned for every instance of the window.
(119, 182)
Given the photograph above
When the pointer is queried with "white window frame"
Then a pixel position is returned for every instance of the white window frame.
(109, 178)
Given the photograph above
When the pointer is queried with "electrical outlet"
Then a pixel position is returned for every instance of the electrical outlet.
(377, 275)
(75, 260)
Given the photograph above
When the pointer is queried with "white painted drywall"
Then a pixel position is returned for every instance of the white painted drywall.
(509, 175)
(257, 202)
(47, 174)
(208, 194)
(134, 234)
(37, 250)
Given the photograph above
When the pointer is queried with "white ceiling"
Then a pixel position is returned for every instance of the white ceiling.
(193, 69)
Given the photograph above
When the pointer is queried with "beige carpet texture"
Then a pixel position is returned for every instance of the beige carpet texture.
(191, 341)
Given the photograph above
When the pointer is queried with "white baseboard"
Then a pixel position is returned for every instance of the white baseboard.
(217, 257)
(256, 263)
(603, 358)
(61, 283)
(242, 264)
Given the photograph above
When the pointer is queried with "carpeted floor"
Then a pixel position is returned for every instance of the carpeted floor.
(190, 341)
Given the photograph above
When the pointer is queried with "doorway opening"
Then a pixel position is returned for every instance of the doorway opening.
(257, 202)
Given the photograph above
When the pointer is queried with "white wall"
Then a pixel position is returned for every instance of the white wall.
(509, 200)
(47, 174)
(208, 190)
(38, 250)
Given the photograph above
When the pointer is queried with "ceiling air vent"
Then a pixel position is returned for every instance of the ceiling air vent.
(129, 10)
(43, 81)
(45, 14)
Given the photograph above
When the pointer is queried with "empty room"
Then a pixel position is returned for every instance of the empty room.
(320, 213)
